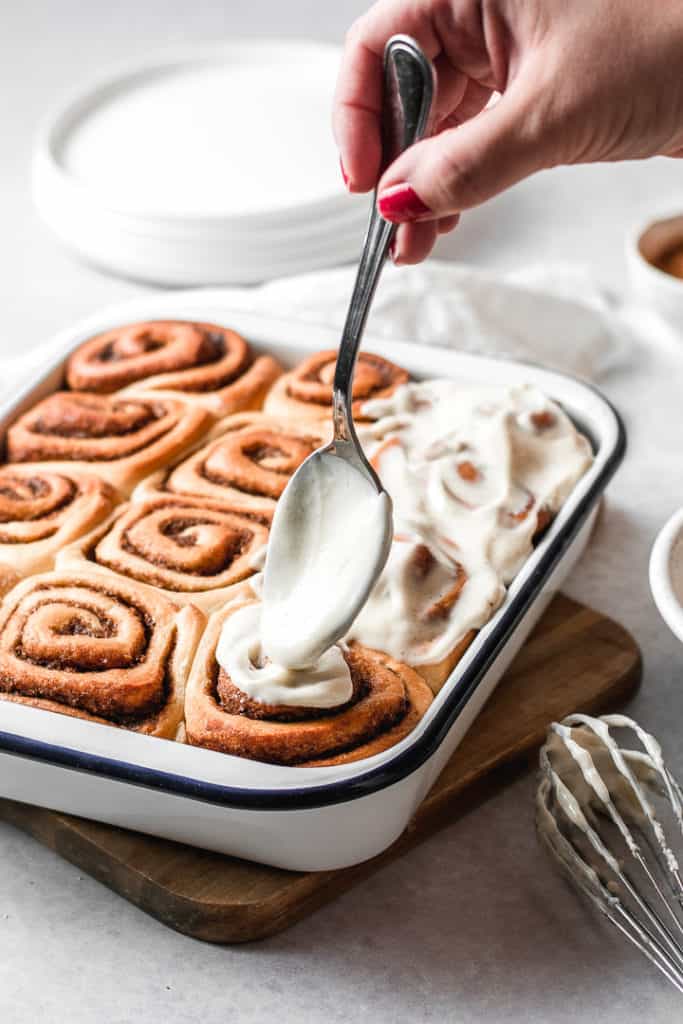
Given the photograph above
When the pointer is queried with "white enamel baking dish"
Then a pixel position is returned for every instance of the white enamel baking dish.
(298, 818)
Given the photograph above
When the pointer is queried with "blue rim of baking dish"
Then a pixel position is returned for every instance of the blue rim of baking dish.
(398, 767)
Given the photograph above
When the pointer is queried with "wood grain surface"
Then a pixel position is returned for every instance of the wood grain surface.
(576, 660)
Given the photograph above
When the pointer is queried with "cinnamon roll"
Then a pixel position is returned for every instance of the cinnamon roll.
(120, 439)
(305, 394)
(384, 702)
(203, 363)
(192, 550)
(426, 610)
(8, 578)
(97, 647)
(249, 464)
(42, 511)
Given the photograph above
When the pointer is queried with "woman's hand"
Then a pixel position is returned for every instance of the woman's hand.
(580, 81)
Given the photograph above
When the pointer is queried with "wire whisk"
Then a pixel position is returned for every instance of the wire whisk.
(613, 818)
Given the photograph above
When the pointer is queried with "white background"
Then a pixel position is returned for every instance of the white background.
(474, 925)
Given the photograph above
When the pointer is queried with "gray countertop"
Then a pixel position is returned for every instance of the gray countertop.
(474, 925)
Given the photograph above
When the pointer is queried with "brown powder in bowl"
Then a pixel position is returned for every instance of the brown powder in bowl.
(676, 568)
(671, 261)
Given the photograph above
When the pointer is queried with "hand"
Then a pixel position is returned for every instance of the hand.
(580, 81)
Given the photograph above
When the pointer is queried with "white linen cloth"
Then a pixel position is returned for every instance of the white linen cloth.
(555, 315)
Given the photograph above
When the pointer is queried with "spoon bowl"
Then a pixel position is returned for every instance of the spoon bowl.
(331, 535)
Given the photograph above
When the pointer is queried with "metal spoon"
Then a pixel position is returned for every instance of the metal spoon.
(306, 611)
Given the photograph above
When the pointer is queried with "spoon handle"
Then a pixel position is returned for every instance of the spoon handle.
(408, 92)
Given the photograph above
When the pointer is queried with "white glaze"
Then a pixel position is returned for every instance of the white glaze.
(595, 782)
(239, 652)
(422, 434)
(395, 617)
(574, 813)
(581, 758)
(330, 535)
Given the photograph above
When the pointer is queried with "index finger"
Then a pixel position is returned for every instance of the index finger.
(356, 118)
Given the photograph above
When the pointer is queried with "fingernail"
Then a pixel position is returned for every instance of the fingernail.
(343, 171)
(401, 203)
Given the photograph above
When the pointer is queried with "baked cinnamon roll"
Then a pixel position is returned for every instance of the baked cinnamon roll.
(305, 394)
(97, 647)
(202, 363)
(248, 465)
(426, 610)
(382, 704)
(120, 439)
(42, 511)
(189, 549)
(8, 578)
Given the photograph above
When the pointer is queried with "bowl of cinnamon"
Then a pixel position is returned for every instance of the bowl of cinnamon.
(655, 257)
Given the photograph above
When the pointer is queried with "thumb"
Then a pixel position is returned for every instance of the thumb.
(463, 166)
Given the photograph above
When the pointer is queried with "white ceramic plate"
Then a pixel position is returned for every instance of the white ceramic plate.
(213, 165)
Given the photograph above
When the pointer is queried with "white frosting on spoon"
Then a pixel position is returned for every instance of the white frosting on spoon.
(329, 540)
(326, 684)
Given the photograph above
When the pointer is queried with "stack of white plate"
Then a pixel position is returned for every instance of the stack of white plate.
(209, 167)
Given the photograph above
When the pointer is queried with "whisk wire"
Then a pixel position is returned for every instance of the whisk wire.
(609, 905)
(644, 902)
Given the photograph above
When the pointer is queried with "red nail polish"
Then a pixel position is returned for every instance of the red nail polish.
(401, 203)
(343, 171)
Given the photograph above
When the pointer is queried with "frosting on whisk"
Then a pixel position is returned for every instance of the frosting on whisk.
(605, 813)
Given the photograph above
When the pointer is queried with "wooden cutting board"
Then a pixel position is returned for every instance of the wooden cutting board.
(576, 660)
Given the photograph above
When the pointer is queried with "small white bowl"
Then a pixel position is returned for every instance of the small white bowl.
(661, 583)
(644, 244)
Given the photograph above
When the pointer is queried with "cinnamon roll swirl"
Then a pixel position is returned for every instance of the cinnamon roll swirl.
(120, 439)
(248, 465)
(42, 511)
(203, 363)
(99, 648)
(192, 550)
(426, 610)
(305, 394)
(387, 700)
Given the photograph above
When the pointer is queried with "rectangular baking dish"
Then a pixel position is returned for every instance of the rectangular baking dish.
(297, 818)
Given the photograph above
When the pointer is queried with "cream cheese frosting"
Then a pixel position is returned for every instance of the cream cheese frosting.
(587, 775)
(473, 474)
